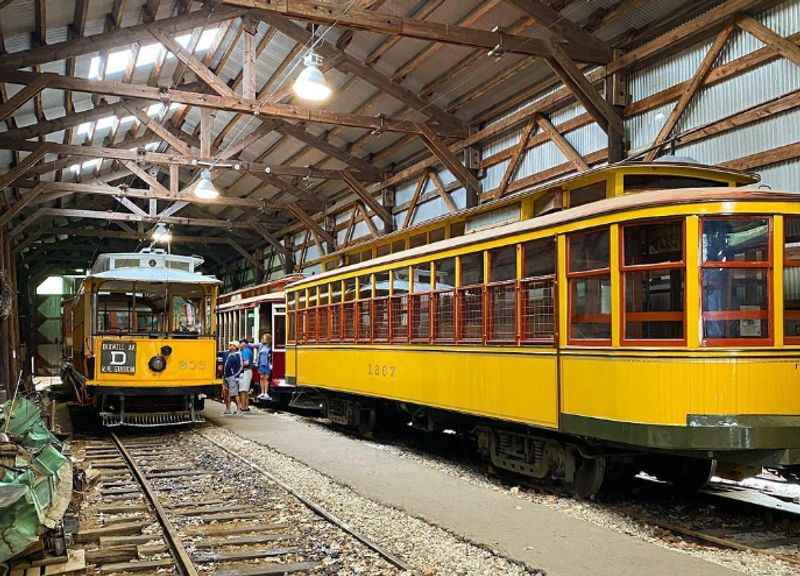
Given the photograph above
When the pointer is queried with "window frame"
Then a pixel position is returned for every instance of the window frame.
(624, 269)
(490, 285)
(460, 289)
(364, 302)
(788, 263)
(414, 297)
(436, 294)
(766, 266)
(393, 336)
(524, 279)
(579, 275)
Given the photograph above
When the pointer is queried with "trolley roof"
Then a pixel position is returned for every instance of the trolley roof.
(152, 266)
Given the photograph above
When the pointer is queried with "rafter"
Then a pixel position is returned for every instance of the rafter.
(516, 158)
(369, 200)
(561, 143)
(559, 25)
(344, 15)
(128, 217)
(784, 47)
(448, 158)
(229, 103)
(697, 80)
(10, 106)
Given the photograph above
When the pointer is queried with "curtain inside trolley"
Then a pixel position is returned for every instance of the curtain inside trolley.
(152, 310)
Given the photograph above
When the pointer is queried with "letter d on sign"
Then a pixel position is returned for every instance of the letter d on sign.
(118, 358)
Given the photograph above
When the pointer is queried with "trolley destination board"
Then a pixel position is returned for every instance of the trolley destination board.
(118, 357)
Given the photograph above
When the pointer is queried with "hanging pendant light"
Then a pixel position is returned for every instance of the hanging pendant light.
(311, 84)
(161, 234)
(205, 187)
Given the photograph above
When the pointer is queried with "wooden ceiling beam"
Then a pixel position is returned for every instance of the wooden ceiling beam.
(784, 47)
(231, 104)
(369, 200)
(584, 91)
(258, 168)
(17, 100)
(345, 15)
(440, 149)
(127, 217)
(141, 33)
(561, 143)
(559, 25)
(345, 62)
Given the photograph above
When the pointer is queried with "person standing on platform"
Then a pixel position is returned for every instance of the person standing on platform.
(265, 366)
(246, 376)
(231, 371)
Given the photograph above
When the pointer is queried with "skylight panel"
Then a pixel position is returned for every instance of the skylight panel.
(94, 68)
(92, 164)
(107, 122)
(149, 54)
(118, 61)
(127, 120)
(206, 39)
(84, 128)
(155, 110)
(152, 146)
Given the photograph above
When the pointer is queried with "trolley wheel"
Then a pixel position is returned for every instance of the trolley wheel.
(589, 476)
(366, 423)
(691, 474)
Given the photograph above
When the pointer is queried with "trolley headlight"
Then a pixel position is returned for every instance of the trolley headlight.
(157, 363)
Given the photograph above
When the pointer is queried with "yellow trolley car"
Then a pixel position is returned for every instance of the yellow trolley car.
(654, 327)
(143, 339)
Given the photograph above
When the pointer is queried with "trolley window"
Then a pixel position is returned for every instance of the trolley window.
(791, 279)
(444, 298)
(335, 312)
(364, 308)
(589, 281)
(643, 182)
(502, 294)
(653, 278)
(349, 310)
(587, 194)
(538, 290)
(380, 308)
(421, 302)
(736, 281)
(399, 306)
(470, 298)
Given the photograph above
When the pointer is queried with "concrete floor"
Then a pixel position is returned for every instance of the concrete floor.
(537, 535)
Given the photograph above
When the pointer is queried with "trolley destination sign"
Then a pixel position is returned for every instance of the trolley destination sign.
(118, 357)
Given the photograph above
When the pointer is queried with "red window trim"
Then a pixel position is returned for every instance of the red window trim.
(651, 316)
(401, 337)
(435, 295)
(460, 339)
(582, 274)
(373, 317)
(411, 305)
(787, 264)
(523, 318)
(745, 265)
(489, 318)
(359, 336)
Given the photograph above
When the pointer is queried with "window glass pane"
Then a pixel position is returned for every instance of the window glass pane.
(366, 255)
(398, 246)
(791, 302)
(301, 299)
(503, 264)
(336, 292)
(736, 239)
(472, 269)
(591, 307)
(422, 278)
(740, 291)
(791, 226)
(591, 193)
(381, 320)
(538, 309)
(352, 259)
(653, 243)
(643, 182)
(436, 235)
(445, 274)
(418, 240)
(290, 301)
(381, 284)
(539, 258)
(384, 249)
(400, 281)
(654, 304)
(312, 297)
(365, 287)
(348, 321)
(457, 229)
(420, 316)
(349, 289)
(323, 294)
(364, 320)
(588, 251)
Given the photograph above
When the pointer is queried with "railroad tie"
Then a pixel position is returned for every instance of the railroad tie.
(268, 569)
(215, 556)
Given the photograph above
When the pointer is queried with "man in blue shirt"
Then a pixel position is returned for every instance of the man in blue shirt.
(231, 371)
(246, 376)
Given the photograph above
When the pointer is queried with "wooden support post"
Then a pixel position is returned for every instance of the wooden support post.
(566, 148)
(22, 168)
(369, 200)
(13, 104)
(174, 179)
(250, 27)
(440, 149)
(445, 195)
(206, 127)
(696, 82)
(616, 95)
(412, 205)
(516, 157)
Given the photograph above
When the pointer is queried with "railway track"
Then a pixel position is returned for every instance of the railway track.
(180, 504)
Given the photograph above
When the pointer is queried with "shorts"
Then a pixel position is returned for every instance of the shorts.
(233, 384)
(244, 380)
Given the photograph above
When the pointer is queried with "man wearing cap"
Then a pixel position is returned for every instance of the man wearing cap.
(231, 371)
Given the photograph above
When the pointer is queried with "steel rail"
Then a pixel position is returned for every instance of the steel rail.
(183, 561)
(319, 510)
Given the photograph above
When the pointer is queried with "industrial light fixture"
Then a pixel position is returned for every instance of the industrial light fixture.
(311, 84)
(161, 234)
(205, 187)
